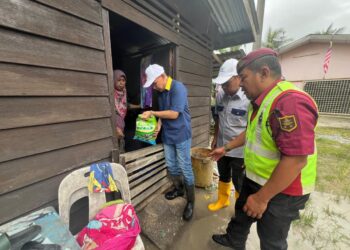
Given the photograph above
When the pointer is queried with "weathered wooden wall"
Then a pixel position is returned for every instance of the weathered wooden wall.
(54, 98)
(194, 69)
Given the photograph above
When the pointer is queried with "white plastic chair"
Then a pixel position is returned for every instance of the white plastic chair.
(74, 187)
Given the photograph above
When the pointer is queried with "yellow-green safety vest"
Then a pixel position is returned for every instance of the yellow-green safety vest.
(261, 154)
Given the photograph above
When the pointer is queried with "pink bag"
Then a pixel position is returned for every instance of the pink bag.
(114, 227)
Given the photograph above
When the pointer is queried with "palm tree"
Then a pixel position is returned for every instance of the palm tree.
(276, 38)
(331, 31)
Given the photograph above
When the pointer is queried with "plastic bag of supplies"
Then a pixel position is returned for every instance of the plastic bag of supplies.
(145, 130)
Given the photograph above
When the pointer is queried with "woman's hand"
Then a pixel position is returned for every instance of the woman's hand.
(156, 132)
(120, 133)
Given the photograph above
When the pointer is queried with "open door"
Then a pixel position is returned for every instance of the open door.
(133, 48)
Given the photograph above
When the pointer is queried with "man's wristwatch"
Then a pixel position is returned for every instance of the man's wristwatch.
(226, 147)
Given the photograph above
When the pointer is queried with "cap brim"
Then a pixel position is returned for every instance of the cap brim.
(221, 79)
(149, 83)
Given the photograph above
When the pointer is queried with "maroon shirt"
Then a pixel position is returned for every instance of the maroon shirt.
(300, 141)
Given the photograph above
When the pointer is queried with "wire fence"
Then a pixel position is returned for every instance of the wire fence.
(331, 96)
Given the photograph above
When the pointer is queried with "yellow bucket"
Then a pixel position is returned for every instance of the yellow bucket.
(202, 166)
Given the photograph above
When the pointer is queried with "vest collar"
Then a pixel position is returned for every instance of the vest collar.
(168, 83)
(262, 96)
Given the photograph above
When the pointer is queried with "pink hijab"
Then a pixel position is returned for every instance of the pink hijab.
(120, 100)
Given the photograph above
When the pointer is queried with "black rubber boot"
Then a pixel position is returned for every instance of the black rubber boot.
(222, 239)
(178, 189)
(188, 212)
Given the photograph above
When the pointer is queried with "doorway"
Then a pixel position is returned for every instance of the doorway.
(133, 49)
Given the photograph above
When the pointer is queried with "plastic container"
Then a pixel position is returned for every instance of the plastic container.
(202, 167)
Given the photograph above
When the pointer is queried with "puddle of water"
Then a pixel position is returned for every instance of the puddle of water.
(197, 233)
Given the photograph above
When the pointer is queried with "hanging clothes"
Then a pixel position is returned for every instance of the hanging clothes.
(146, 93)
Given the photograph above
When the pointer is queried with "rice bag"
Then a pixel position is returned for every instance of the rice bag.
(145, 130)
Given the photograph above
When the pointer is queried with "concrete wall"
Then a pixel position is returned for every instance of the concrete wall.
(306, 62)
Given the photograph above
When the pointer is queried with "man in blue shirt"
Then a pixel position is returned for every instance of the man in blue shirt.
(174, 118)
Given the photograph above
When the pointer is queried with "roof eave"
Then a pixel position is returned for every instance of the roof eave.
(233, 39)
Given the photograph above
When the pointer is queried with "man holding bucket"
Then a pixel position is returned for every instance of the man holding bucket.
(230, 121)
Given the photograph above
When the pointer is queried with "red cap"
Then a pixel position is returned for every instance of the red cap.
(252, 56)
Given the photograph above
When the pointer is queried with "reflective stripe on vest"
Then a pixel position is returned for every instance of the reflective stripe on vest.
(256, 147)
(261, 154)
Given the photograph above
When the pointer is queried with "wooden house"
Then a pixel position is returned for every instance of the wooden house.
(56, 89)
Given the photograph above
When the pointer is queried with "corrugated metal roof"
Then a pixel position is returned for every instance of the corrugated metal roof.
(231, 22)
(236, 21)
(229, 16)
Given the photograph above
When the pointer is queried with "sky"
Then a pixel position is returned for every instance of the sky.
(302, 17)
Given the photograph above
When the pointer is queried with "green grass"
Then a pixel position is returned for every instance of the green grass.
(307, 219)
(333, 173)
(325, 227)
(345, 133)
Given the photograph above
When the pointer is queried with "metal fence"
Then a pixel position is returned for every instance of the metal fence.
(331, 96)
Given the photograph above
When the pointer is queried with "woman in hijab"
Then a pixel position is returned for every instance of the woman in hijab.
(120, 101)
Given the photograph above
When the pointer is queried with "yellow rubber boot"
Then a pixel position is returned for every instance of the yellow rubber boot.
(224, 191)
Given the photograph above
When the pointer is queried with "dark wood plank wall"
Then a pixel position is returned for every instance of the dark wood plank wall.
(55, 102)
(54, 98)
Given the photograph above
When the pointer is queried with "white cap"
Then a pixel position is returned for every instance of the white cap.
(152, 72)
(227, 70)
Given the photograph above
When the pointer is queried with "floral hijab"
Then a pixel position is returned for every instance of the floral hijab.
(120, 99)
